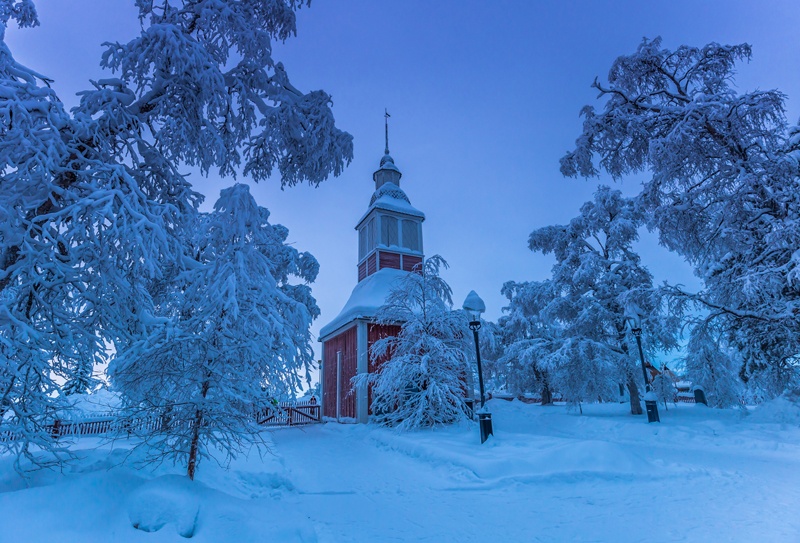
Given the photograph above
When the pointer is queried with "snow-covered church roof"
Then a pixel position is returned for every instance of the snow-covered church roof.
(367, 297)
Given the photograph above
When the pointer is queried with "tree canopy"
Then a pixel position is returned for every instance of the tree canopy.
(721, 189)
(94, 209)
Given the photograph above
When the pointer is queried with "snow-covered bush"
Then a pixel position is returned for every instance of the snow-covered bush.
(424, 382)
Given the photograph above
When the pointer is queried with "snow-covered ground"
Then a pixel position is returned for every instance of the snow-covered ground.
(548, 475)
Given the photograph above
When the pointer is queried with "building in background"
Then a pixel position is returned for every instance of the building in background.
(389, 246)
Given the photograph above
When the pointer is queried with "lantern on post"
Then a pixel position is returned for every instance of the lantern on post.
(650, 399)
(474, 306)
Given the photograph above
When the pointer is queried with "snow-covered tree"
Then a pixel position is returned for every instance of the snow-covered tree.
(528, 337)
(92, 202)
(424, 382)
(29, 114)
(723, 188)
(74, 227)
(200, 80)
(81, 380)
(663, 387)
(712, 364)
(235, 334)
(583, 341)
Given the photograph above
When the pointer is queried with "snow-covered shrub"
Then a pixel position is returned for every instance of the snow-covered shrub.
(168, 499)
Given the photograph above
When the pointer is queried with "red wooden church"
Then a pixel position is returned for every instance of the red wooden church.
(389, 246)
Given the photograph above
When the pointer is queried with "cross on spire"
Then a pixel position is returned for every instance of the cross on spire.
(386, 117)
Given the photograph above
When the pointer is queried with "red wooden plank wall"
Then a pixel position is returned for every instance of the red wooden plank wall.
(346, 342)
(374, 333)
(388, 260)
(410, 261)
(362, 271)
(371, 264)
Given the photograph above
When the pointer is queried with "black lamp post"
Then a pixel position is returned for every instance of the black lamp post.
(650, 399)
(474, 306)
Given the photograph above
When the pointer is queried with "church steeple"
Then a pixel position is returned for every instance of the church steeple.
(388, 172)
(390, 232)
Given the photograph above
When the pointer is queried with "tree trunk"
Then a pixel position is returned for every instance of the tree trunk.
(166, 418)
(198, 420)
(633, 392)
(547, 395)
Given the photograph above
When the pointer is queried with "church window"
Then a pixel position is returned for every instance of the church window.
(367, 238)
(371, 231)
(362, 242)
(411, 235)
(388, 231)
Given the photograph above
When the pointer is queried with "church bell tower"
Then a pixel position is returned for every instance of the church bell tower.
(390, 232)
(389, 247)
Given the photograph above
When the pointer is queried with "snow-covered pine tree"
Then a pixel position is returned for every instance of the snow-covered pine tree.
(235, 335)
(81, 380)
(723, 188)
(424, 382)
(596, 277)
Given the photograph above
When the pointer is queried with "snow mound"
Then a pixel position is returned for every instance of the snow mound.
(781, 410)
(260, 484)
(97, 403)
(170, 499)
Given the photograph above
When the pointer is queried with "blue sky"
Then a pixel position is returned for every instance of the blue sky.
(484, 98)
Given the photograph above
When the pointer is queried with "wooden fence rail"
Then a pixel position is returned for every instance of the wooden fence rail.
(282, 414)
(291, 415)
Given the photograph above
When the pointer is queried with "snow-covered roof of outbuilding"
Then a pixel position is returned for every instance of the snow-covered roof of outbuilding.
(365, 300)
(390, 197)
